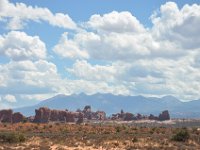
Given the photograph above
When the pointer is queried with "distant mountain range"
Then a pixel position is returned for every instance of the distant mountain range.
(114, 103)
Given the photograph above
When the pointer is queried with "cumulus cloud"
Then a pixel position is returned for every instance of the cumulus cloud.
(10, 98)
(113, 53)
(33, 77)
(67, 48)
(119, 36)
(179, 26)
(92, 87)
(109, 46)
(20, 46)
(116, 22)
(19, 14)
(84, 70)
(159, 60)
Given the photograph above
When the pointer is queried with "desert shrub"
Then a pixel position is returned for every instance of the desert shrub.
(45, 127)
(194, 130)
(12, 137)
(117, 129)
(57, 124)
(134, 128)
(151, 131)
(36, 127)
(25, 120)
(134, 140)
(181, 136)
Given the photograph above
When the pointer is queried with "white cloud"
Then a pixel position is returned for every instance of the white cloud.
(69, 49)
(92, 87)
(109, 46)
(32, 77)
(120, 36)
(120, 22)
(10, 98)
(19, 14)
(84, 70)
(123, 45)
(36, 97)
(113, 53)
(20, 46)
(161, 60)
(179, 26)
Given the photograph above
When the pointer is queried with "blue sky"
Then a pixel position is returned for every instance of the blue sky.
(148, 48)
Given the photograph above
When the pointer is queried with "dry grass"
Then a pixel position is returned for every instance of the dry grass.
(71, 136)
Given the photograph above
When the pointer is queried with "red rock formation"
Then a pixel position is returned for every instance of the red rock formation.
(42, 115)
(139, 116)
(6, 116)
(87, 108)
(152, 117)
(164, 116)
(30, 118)
(128, 116)
(80, 118)
(17, 117)
(115, 116)
(87, 112)
(100, 115)
(54, 115)
(70, 116)
(61, 115)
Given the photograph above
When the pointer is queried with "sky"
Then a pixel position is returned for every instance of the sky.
(148, 48)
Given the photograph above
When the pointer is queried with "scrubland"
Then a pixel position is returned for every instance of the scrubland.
(60, 136)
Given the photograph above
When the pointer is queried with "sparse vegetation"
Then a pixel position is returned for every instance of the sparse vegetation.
(12, 137)
(107, 136)
(181, 136)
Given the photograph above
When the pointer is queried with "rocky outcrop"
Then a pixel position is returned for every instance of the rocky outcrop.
(128, 116)
(87, 108)
(17, 117)
(164, 116)
(44, 115)
(30, 118)
(123, 116)
(87, 112)
(100, 115)
(6, 116)
(80, 118)
(152, 117)
(63, 116)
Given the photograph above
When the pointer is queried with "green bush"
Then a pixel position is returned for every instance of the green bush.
(12, 137)
(181, 136)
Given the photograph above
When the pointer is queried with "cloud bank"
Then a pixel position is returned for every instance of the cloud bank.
(110, 53)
